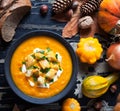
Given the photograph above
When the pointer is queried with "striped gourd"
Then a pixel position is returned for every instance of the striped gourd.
(95, 86)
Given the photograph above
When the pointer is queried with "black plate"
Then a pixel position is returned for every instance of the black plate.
(17, 90)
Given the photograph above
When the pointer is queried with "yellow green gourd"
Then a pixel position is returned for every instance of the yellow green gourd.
(95, 86)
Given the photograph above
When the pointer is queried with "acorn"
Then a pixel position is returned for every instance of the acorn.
(61, 5)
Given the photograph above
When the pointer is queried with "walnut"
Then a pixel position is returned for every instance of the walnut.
(85, 22)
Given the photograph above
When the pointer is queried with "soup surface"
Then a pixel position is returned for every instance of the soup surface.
(26, 48)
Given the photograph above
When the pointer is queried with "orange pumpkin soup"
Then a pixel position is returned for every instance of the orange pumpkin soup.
(25, 49)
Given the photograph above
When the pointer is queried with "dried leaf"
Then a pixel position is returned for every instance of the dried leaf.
(15, 108)
(71, 28)
(6, 3)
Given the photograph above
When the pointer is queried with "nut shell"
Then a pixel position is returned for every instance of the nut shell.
(85, 22)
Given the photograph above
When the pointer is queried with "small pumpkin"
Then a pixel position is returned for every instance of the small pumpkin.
(89, 50)
(109, 15)
(71, 104)
(95, 86)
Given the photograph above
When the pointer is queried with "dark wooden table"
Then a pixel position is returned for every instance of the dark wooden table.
(9, 101)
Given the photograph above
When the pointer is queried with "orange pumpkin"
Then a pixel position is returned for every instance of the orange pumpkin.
(71, 104)
(109, 15)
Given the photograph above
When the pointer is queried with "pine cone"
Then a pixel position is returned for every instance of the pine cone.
(61, 5)
(89, 7)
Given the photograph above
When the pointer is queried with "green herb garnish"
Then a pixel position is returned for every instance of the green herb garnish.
(23, 62)
(52, 80)
(43, 58)
(33, 67)
(20, 69)
(45, 84)
(45, 70)
(42, 51)
(54, 62)
(33, 56)
(56, 55)
(48, 49)
(60, 68)
(34, 78)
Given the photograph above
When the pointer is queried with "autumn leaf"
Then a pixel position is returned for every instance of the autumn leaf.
(71, 28)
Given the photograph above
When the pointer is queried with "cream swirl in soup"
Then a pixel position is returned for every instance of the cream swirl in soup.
(42, 67)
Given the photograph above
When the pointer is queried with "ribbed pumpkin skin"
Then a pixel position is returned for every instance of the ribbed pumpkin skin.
(95, 86)
(89, 50)
(109, 14)
(71, 104)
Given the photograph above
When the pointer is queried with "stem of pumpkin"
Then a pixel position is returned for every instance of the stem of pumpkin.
(117, 28)
(118, 23)
(112, 78)
(72, 106)
(110, 58)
